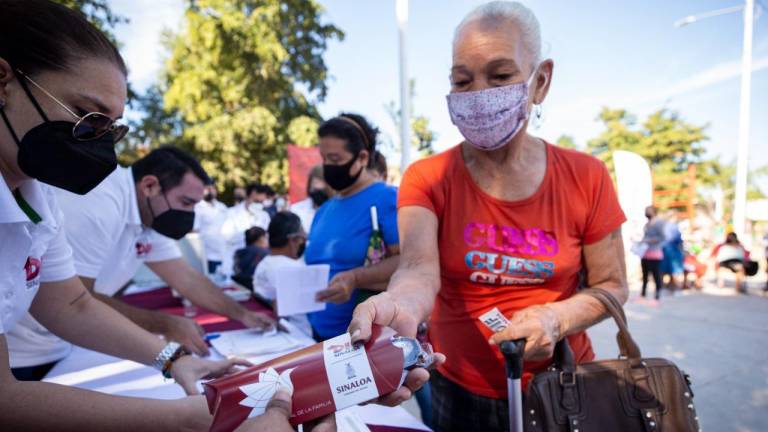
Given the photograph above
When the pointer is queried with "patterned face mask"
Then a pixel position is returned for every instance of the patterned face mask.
(490, 118)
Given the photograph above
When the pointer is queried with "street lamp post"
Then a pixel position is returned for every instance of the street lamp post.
(742, 158)
(401, 9)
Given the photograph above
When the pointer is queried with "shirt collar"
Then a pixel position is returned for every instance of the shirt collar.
(31, 190)
(132, 215)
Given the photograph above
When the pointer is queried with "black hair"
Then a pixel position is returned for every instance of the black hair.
(265, 189)
(281, 225)
(380, 163)
(358, 133)
(251, 188)
(254, 234)
(40, 35)
(169, 165)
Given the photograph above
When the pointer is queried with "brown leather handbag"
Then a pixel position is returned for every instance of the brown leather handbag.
(628, 394)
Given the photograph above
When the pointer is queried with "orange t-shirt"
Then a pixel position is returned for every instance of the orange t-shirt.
(507, 254)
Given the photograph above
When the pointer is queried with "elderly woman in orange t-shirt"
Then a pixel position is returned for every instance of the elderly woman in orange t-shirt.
(504, 220)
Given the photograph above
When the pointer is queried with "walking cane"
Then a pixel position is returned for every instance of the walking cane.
(513, 355)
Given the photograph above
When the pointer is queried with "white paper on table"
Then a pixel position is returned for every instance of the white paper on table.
(348, 420)
(296, 288)
(248, 343)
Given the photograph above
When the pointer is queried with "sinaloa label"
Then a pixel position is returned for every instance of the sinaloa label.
(349, 372)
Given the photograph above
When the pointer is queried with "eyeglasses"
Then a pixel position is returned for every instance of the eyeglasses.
(89, 127)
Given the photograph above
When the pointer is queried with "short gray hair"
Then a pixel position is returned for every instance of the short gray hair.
(514, 12)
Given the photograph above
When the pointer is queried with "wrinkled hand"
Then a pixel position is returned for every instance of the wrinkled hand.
(188, 370)
(540, 327)
(384, 309)
(257, 320)
(339, 288)
(193, 414)
(275, 418)
(186, 332)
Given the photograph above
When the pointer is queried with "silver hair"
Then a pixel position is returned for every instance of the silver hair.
(514, 12)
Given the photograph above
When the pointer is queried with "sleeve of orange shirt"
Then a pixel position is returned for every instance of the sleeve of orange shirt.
(606, 214)
(415, 190)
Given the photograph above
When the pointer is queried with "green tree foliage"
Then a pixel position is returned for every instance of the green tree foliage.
(98, 13)
(666, 141)
(566, 141)
(422, 137)
(233, 84)
(302, 131)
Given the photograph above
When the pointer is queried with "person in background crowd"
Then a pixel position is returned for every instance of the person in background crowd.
(210, 215)
(247, 258)
(504, 220)
(342, 227)
(265, 196)
(287, 241)
(674, 254)
(318, 193)
(734, 257)
(654, 237)
(765, 241)
(62, 87)
(131, 218)
(249, 213)
(238, 194)
(379, 168)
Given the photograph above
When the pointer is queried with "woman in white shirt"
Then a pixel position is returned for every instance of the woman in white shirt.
(62, 85)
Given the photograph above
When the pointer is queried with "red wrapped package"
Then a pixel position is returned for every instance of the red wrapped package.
(325, 378)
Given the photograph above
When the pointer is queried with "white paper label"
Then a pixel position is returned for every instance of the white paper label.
(494, 320)
(349, 372)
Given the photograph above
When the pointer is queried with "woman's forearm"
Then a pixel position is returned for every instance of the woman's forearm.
(415, 287)
(46, 406)
(374, 276)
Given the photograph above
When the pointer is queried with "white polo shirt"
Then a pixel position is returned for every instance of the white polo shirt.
(240, 219)
(209, 218)
(109, 244)
(33, 248)
(264, 283)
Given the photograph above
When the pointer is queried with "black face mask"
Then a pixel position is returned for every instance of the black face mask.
(319, 197)
(50, 154)
(239, 199)
(338, 177)
(300, 251)
(172, 223)
(208, 197)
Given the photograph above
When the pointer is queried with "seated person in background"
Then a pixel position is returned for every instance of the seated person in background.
(731, 255)
(379, 168)
(246, 259)
(129, 218)
(287, 240)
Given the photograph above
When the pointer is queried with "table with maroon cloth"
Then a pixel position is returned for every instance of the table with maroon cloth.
(95, 371)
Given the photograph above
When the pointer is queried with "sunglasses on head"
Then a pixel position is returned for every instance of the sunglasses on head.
(89, 127)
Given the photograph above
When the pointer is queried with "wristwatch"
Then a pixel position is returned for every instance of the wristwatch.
(169, 354)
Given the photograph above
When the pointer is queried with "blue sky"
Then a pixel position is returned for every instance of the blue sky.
(607, 53)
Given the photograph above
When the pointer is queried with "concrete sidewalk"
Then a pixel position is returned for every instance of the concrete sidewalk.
(720, 339)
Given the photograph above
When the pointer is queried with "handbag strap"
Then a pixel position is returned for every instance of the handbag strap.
(627, 345)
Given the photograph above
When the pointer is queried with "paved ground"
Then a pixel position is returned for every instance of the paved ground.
(718, 337)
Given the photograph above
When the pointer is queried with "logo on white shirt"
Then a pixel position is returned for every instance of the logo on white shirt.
(143, 249)
(32, 269)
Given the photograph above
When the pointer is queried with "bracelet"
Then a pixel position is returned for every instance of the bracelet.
(169, 354)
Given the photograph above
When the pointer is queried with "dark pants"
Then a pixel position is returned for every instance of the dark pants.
(32, 373)
(213, 266)
(651, 267)
(455, 409)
